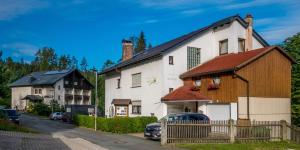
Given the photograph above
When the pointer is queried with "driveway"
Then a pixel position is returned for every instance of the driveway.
(81, 138)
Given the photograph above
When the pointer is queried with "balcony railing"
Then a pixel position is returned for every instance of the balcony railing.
(68, 97)
(78, 97)
(86, 97)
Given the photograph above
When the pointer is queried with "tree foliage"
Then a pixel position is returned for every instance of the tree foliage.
(292, 46)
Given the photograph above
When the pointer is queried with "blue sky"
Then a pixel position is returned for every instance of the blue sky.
(94, 28)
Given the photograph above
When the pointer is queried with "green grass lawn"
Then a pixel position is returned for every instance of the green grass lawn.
(246, 146)
(5, 125)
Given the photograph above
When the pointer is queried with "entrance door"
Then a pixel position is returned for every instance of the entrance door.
(218, 111)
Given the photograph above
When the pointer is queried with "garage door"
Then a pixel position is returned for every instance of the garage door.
(218, 112)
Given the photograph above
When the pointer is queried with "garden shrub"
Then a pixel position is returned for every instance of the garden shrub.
(39, 109)
(116, 124)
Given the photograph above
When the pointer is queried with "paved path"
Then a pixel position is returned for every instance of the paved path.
(81, 138)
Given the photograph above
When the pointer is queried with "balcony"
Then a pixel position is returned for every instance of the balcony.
(68, 97)
(77, 97)
(86, 97)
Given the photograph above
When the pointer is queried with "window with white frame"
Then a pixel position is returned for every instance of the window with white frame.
(136, 107)
(223, 47)
(241, 45)
(137, 80)
(193, 57)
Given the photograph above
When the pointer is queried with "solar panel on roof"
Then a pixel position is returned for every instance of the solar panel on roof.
(56, 72)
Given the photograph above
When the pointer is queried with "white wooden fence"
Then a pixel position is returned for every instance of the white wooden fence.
(225, 131)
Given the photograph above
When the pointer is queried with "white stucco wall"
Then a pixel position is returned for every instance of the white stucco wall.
(17, 93)
(60, 92)
(167, 76)
(265, 109)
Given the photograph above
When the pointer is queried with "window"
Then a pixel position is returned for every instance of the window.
(66, 82)
(136, 107)
(35, 91)
(40, 91)
(241, 45)
(223, 47)
(171, 61)
(193, 57)
(75, 83)
(58, 87)
(136, 80)
(118, 83)
(171, 90)
(58, 97)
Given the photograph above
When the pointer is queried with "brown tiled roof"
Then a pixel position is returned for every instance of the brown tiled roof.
(184, 93)
(121, 101)
(230, 62)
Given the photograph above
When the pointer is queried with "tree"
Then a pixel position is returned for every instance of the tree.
(74, 62)
(292, 46)
(83, 64)
(141, 43)
(46, 59)
(107, 63)
(149, 45)
(64, 62)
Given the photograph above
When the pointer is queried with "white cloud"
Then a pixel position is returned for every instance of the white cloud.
(11, 9)
(255, 3)
(263, 21)
(283, 27)
(21, 49)
(191, 12)
(151, 21)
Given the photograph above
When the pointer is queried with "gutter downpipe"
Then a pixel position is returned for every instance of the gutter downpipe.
(247, 88)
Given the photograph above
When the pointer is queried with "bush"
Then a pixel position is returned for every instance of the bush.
(115, 125)
(4, 102)
(39, 109)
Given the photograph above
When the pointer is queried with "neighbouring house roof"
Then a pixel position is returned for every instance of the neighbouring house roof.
(121, 101)
(42, 78)
(184, 93)
(33, 97)
(167, 46)
(231, 62)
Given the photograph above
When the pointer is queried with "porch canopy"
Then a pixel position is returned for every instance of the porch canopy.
(33, 98)
(121, 101)
(184, 93)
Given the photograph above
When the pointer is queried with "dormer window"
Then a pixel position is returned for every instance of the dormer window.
(223, 47)
(241, 45)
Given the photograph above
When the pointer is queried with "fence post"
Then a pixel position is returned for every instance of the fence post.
(164, 129)
(283, 131)
(231, 129)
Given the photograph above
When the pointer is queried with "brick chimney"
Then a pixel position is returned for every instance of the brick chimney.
(249, 42)
(127, 49)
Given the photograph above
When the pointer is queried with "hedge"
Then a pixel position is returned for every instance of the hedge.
(116, 124)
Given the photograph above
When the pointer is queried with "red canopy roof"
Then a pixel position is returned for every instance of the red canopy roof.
(184, 93)
(229, 62)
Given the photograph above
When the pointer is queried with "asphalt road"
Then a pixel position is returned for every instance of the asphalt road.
(71, 135)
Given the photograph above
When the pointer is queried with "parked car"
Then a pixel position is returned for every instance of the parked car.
(56, 116)
(12, 115)
(153, 130)
(66, 117)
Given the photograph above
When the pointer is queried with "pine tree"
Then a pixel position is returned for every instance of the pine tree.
(141, 43)
(83, 64)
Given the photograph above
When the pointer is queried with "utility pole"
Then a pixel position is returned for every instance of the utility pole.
(96, 99)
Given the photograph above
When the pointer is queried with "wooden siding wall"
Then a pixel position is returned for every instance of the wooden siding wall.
(227, 91)
(269, 76)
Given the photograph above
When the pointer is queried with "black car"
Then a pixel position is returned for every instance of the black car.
(153, 130)
(12, 115)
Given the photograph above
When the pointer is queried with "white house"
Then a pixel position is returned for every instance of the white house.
(67, 87)
(135, 86)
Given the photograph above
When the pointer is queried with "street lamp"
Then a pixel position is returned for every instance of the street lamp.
(96, 97)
